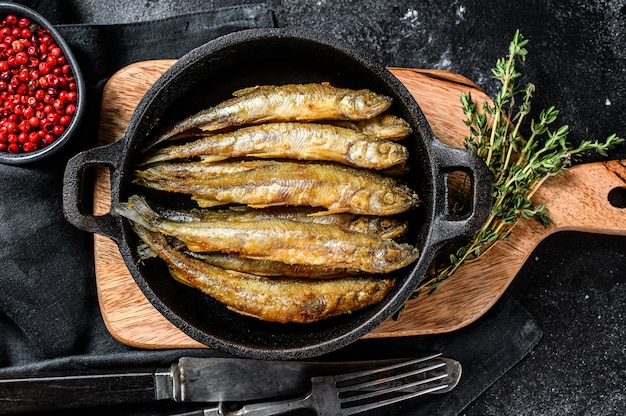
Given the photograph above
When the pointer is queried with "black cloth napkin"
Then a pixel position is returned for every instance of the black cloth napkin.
(49, 314)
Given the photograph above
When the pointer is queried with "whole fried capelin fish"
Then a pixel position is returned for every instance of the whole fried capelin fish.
(334, 187)
(384, 227)
(279, 240)
(290, 102)
(303, 141)
(277, 300)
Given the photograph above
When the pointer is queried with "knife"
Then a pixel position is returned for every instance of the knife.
(189, 380)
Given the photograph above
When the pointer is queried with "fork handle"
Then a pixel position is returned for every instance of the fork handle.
(277, 407)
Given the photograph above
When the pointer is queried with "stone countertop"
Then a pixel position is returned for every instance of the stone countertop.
(574, 283)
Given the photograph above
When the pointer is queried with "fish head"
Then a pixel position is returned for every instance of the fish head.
(401, 199)
(393, 153)
(377, 154)
(365, 104)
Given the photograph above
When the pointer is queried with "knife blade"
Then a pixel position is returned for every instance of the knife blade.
(189, 380)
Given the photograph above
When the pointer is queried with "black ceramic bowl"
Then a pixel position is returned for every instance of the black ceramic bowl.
(208, 75)
(70, 130)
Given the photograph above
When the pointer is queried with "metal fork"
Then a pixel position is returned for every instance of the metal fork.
(357, 392)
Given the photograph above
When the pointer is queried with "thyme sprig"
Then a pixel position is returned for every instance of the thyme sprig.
(518, 165)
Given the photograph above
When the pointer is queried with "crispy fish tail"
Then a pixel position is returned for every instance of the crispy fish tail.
(138, 211)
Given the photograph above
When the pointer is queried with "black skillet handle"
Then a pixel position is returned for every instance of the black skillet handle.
(74, 192)
(450, 159)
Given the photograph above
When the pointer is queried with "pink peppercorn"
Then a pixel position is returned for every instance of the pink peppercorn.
(37, 88)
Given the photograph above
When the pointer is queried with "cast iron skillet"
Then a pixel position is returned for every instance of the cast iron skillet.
(206, 76)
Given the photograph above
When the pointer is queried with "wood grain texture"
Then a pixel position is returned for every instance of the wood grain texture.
(576, 200)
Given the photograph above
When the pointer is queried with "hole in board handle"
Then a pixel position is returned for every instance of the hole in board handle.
(617, 197)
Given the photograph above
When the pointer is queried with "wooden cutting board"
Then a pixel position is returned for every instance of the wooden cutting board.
(579, 199)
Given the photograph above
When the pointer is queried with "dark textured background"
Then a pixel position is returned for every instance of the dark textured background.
(573, 284)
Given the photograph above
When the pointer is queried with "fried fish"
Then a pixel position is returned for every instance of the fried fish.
(281, 240)
(290, 102)
(302, 141)
(277, 299)
(334, 187)
(381, 226)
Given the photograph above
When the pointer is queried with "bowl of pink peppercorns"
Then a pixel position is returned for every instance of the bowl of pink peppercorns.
(42, 95)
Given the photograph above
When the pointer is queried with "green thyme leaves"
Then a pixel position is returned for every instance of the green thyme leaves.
(518, 165)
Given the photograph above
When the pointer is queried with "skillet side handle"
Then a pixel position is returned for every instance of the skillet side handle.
(450, 159)
(74, 181)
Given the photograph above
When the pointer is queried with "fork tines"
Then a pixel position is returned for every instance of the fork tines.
(369, 389)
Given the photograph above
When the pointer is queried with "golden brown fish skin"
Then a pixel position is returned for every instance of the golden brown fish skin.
(166, 170)
(266, 268)
(384, 126)
(270, 268)
(290, 102)
(303, 141)
(334, 187)
(279, 240)
(384, 227)
(275, 300)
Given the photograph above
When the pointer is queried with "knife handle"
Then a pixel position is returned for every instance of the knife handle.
(85, 389)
